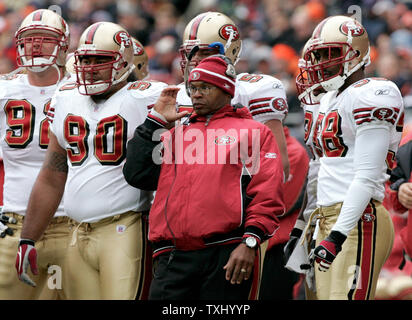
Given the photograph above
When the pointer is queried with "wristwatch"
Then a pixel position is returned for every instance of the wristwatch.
(250, 242)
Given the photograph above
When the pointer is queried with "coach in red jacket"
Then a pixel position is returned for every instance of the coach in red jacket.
(219, 188)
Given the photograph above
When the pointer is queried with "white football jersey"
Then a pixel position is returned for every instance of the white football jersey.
(263, 95)
(95, 138)
(24, 131)
(311, 114)
(371, 102)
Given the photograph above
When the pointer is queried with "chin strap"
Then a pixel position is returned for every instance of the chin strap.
(59, 74)
(186, 75)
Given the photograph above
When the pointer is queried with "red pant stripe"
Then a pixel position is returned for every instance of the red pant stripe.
(367, 247)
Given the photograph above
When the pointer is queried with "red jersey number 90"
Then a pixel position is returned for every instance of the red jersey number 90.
(109, 141)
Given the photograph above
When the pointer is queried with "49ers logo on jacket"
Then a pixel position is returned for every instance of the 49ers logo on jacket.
(122, 37)
(226, 30)
(279, 104)
(225, 140)
(353, 27)
(382, 113)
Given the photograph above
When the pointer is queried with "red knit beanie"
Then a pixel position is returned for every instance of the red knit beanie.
(216, 71)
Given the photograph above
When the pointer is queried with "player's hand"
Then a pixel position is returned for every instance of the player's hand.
(4, 229)
(240, 264)
(26, 255)
(166, 104)
(327, 250)
(294, 237)
(405, 194)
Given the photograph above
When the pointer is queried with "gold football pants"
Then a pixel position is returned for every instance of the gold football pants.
(51, 250)
(354, 273)
(105, 258)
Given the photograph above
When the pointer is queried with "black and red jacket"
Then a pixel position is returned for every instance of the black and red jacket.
(401, 173)
(200, 201)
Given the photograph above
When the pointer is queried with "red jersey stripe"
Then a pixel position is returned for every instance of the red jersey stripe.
(260, 100)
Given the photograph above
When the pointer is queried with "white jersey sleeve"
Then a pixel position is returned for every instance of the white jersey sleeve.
(264, 95)
(378, 103)
(367, 176)
(149, 90)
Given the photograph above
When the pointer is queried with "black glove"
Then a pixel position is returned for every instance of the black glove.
(5, 230)
(291, 244)
(327, 250)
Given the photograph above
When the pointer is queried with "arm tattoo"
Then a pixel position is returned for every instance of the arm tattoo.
(56, 162)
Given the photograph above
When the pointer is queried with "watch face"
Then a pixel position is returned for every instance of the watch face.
(251, 242)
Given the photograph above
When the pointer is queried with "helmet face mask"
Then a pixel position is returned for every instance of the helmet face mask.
(103, 39)
(42, 41)
(328, 63)
(96, 78)
(204, 51)
(309, 91)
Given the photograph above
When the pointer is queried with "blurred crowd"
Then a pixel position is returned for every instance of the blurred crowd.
(273, 33)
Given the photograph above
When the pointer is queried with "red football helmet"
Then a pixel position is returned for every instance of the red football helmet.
(41, 29)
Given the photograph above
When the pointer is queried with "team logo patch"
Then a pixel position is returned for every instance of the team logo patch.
(322, 253)
(195, 75)
(354, 27)
(382, 113)
(361, 83)
(122, 37)
(368, 217)
(382, 92)
(137, 49)
(225, 140)
(279, 104)
(271, 155)
(227, 29)
(120, 228)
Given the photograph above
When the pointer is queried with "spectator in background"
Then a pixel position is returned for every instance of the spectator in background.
(161, 63)
(285, 61)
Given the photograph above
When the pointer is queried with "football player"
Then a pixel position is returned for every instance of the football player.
(42, 41)
(93, 120)
(212, 33)
(299, 245)
(356, 135)
(140, 61)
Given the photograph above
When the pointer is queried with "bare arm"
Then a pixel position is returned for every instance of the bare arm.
(277, 129)
(47, 191)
